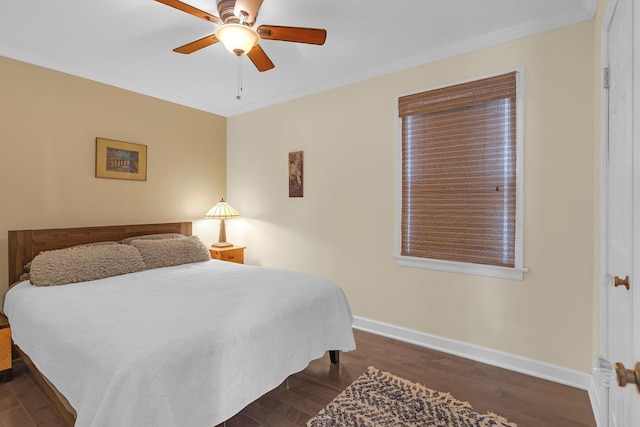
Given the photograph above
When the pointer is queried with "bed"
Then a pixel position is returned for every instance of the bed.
(182, 345)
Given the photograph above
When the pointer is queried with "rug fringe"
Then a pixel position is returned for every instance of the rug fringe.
(501, 419)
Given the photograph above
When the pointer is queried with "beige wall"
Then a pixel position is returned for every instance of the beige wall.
(48, 125)
(344, 226)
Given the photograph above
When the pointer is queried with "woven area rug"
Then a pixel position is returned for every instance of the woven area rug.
(382, 399)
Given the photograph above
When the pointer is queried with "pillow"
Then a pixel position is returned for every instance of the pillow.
(161, 236)
(83, 263)
(26, 275)
(167, 252)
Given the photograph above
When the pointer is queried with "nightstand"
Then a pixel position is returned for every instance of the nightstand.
(5, 349)
(231, 254)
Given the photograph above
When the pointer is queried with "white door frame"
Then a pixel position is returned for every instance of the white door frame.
(636, 205)
(602, 418)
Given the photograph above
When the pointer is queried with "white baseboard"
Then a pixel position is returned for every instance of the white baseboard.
(520, 364)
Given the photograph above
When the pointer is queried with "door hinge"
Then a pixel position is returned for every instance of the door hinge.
(605, 78)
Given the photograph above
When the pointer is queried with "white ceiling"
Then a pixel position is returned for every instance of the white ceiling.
(128, 43)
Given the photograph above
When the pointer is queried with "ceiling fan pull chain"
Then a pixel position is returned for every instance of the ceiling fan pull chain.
(238, 97)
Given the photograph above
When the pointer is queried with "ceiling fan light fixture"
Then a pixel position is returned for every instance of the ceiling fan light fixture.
(237, 38)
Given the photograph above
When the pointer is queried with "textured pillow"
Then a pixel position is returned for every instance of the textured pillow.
(83, 263)
(167, 252)
(161, 236)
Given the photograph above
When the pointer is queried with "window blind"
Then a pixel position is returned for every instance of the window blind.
(459, 172)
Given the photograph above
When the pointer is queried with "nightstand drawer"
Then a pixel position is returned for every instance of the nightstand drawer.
(5, 349)
(233, 256)
(230, 254)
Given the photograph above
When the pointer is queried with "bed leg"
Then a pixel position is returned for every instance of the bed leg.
(334, 356)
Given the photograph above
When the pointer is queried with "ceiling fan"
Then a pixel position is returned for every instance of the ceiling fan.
(237, 34)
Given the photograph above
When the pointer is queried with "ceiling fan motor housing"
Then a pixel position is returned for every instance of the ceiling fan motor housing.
(225, 10)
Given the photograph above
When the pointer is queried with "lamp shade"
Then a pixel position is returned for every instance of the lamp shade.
(237, 38)
(222, 210)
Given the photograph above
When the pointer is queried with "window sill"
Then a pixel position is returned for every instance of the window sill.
(516, 273)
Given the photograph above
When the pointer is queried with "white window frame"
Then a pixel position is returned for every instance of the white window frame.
(514, 273)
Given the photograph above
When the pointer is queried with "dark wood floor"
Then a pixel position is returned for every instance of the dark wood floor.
(525, 400)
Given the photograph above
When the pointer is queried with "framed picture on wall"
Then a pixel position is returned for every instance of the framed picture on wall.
(296, 172)
(120, 160)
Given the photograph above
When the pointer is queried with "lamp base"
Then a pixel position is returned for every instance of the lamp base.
(222, 245)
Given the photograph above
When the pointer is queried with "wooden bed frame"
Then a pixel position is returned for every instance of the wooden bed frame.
(24, 245)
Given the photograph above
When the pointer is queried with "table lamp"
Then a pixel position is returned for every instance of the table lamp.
(222, 210)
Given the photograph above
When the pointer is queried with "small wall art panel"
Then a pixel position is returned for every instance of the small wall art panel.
(120, 160)
(296, 173)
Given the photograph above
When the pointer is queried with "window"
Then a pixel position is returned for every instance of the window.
(460, 171)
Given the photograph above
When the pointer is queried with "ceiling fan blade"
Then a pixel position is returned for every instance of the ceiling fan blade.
(248, 7)
(293, 34)
(197, 45)
(191, 10)
(260, 59)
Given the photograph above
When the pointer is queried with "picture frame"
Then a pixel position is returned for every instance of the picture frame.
(296, 174)
(120, 160)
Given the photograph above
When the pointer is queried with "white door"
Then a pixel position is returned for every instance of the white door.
(621, 231)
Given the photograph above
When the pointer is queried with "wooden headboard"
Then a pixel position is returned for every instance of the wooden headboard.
(24, 245)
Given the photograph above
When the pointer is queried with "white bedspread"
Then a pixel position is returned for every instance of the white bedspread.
(185, 346)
